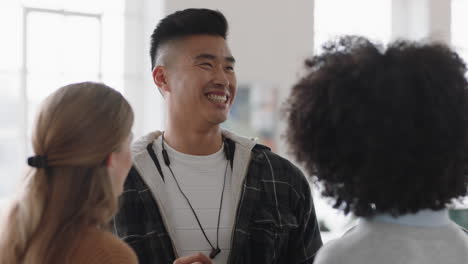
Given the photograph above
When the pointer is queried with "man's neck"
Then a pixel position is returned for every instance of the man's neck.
(194, 141)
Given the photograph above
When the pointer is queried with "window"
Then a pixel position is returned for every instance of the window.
(459, 27)
(368, 18)
(68, 51)
(10, 111)
(50, 43)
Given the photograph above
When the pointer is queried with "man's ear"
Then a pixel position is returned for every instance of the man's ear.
(160, 78)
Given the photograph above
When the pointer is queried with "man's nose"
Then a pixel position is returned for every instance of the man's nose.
(221, 78)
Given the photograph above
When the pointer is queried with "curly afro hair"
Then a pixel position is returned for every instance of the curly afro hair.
(383, 131)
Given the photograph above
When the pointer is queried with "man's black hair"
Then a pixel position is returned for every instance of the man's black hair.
(185, 23)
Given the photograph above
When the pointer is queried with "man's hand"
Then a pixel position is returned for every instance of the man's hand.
(198, 258)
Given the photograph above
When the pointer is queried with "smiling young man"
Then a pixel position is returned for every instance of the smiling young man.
(198, 188)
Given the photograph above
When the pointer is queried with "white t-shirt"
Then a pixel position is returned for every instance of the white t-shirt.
(201, 179)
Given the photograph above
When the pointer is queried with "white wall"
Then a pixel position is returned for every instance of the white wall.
(269, 39)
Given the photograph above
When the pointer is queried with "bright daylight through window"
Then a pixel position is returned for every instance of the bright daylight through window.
(50, 43)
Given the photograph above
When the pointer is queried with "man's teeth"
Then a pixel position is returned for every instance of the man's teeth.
(220, 99)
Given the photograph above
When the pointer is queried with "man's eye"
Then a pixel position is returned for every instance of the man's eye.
(206, 64)
(230, 68)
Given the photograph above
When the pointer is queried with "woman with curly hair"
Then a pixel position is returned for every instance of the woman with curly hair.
(82, 156)
(385, 133)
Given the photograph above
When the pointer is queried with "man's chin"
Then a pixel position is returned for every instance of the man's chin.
(218, 120)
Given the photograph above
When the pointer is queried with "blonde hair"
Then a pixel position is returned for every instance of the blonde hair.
(77, 128)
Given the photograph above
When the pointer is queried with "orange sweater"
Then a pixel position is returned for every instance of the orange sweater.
(100, 247)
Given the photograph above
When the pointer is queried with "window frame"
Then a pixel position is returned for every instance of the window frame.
(24, 72)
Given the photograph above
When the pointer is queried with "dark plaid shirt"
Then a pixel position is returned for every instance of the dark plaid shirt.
(275, 219)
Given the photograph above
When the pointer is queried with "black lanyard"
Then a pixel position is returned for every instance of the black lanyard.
(214, 250)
